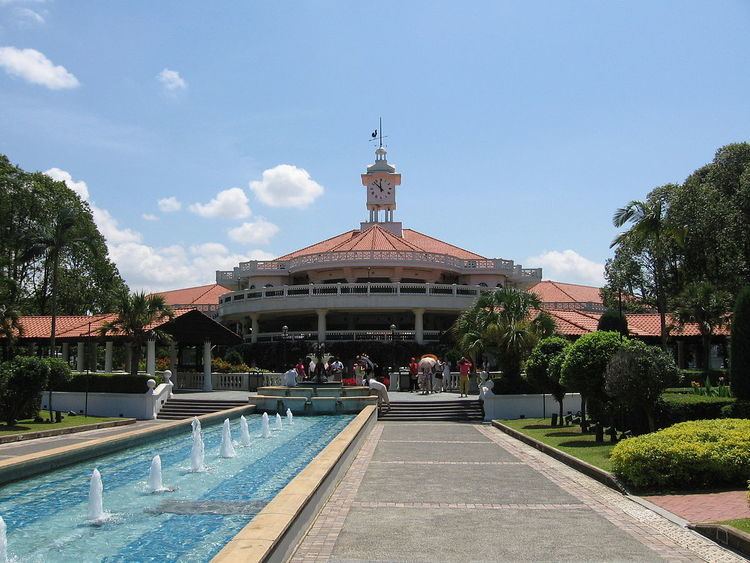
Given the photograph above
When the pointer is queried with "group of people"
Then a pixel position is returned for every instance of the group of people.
(430, 375)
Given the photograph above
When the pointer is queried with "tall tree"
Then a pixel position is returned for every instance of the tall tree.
(705, 305)
(136, 315)
(650, 234)
(53, 239)
(740, 361)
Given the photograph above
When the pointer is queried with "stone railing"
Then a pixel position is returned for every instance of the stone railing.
(219, 381)
(349, 335)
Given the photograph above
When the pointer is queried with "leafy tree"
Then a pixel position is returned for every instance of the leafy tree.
(503, 323)
(650, 234)
(740, 350)
(136, 313)
(544, 365)
(584, 366)
(705, 305)
(10, 326)
(52, 240)
(637, 376)
(21, 383)
(612, 320)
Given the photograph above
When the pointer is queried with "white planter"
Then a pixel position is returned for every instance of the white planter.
(529, 406)
(143, 406)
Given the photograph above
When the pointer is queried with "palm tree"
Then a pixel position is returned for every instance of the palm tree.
(705, 305)
(650, 232)
(136, 315)
(10, 326)
(53, 240)
(504, 323)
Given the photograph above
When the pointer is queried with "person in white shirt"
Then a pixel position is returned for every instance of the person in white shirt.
(289, 379)
(447, 375)
(381, 391)
(337, 369)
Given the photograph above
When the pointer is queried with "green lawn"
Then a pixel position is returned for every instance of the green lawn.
(567, 439)
(741, 524)
(23, 426)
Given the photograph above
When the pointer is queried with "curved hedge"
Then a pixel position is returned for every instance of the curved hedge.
(697, 453)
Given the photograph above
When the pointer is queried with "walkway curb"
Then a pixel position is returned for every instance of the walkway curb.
(23, 436)
(724, 535)
(604, 477)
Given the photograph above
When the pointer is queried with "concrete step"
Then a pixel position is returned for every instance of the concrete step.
(178, 409)
(434, 410)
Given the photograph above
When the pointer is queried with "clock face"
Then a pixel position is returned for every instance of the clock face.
(380, 190)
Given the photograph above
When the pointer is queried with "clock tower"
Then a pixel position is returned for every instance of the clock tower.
(380, 182)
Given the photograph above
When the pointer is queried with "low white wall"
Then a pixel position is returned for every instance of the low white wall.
(143, 406)
(530, 406)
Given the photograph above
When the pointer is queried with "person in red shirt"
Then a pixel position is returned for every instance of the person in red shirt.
(300, 367)
(464, 369)
(413, 372)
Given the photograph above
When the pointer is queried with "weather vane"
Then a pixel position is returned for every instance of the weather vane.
(377, 135)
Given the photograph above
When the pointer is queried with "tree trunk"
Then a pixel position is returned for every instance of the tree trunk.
(53, 303)
(135, 357)
(650, 418)
(561, 411)
(706, 353)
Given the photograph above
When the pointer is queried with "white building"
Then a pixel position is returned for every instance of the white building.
(364, 284)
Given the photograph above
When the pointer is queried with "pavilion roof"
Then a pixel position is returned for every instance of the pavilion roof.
(199, 295)
(558, 292)
(376, 237)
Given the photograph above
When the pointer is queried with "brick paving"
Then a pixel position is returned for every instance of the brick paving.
(705, 507)
(359, 520)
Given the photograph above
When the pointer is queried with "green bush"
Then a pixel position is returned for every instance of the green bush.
(544, 365)
(703, 453)
(740, 350)
(59, 372)
(109, 383)
(674, 407)
(21, 382)
(612, 320)
(738, 409)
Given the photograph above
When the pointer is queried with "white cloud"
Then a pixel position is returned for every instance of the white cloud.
(34, 67)
(568, 266)
(171, 80)
(110, 228)
(78, 187)
(27, 15)
(286, 185)
(257, 232)
(149, 217)
(228, 204)
(169, 204)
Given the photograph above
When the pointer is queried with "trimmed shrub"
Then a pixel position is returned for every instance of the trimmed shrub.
(674, 407)
(109, 383)
(740, 350)
(612, 320)
(22, 381)
(738, 409)
(702, 453)
(544, 365)
(59, 372)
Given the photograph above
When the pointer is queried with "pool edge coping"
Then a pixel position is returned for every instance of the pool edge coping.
(271, 534)
(21, 467)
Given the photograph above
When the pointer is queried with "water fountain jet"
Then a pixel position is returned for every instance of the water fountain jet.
(266, 429)
(244, 432)
(3, 542)
(227, 448)
(96, 512)
(155, 484)
(278, 422)
(197, 455)
(289, 416)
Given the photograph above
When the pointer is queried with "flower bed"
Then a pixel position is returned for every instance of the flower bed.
(702, 453)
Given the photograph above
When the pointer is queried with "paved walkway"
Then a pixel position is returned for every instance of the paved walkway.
(706, 507)
(13, 449)
(464, 492)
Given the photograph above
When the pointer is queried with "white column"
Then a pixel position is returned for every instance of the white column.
(108, 356)
(207, 384)
(65, 352)
(321, 324)
(81, 356)
(254, 327)
(419, 325)
(151, 357)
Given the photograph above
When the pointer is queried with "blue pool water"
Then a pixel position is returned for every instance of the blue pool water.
(46, 515)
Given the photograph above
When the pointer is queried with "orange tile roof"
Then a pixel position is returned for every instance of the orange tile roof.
(557, 292)
(376, 237)
(200, 295)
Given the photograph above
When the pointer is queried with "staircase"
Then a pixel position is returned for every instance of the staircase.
(177, 409)
(462, 411)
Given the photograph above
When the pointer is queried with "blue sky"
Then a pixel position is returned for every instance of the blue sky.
(519, 127)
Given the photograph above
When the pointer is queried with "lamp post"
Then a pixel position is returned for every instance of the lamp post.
(284, 336)
(88, 362)
(393, 350)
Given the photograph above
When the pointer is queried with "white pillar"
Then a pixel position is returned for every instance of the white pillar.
(151, 357)
(207, 384)
(321, 324)
(80, 356)
(108, 356)
(65, 352)
(419, 325)
(254, 327)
